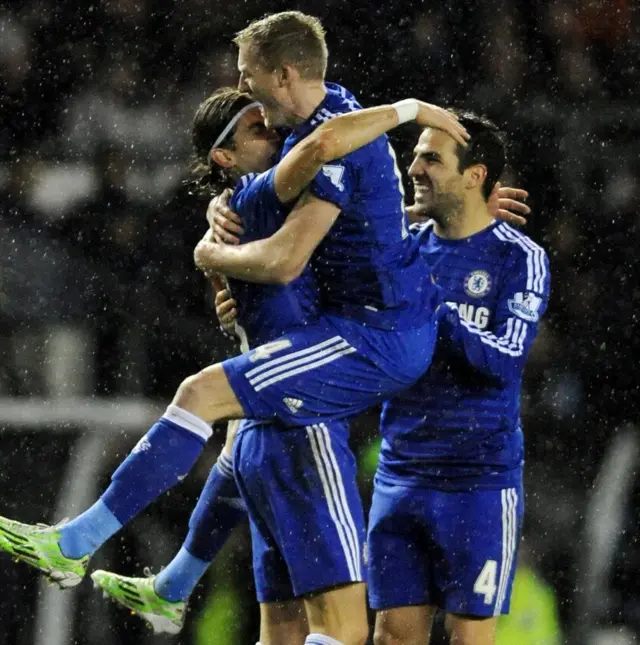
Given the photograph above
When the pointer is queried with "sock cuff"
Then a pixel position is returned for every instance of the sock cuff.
(225, 465)
(188, 421)
(321, 639)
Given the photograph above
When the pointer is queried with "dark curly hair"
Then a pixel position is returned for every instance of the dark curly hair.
(211, 118)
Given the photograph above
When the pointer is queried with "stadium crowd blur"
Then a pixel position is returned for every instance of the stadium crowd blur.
(98, 293)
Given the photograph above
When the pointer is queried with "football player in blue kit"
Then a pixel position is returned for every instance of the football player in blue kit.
(448, 500)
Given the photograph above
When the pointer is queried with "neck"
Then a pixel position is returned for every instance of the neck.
(234, 175)
(305, 100)
(473, 218)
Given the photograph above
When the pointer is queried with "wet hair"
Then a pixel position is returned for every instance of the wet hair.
(211, 118)
(289, 37)
(486, 147)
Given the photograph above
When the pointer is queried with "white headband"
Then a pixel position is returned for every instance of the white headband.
(229, 127)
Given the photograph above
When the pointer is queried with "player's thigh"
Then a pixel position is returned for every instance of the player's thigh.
(476, 536)
(310, 374)
(399, 575)
(471, 630)
(404, 625)
(339, 613)
(209, 395)
(283, 623)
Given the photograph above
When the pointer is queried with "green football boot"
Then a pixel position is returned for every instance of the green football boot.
(37, 545)
(139, 596)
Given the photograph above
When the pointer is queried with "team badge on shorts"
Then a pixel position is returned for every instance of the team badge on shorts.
(477, 284)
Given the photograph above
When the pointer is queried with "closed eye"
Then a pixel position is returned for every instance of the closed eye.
(258, 128)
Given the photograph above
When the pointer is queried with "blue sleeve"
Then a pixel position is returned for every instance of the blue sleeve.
(501, 351)
(256, 202)
(334, 183)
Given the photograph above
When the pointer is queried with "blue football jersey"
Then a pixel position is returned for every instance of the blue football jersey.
(367, 267)
(459, 426)
(265, 312)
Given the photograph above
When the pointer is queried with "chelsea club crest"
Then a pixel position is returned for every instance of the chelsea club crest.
(477, 284)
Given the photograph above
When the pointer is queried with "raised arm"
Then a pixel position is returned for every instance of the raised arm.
(343, 134)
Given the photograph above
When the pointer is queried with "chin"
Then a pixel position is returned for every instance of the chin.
(422, 207)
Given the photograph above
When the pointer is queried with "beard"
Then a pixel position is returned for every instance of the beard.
(443, 208)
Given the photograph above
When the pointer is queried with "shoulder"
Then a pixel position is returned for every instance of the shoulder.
(524, 255)
(518, 245)
(340, 96)
(244, 184)
(250, 186)
(338, 101)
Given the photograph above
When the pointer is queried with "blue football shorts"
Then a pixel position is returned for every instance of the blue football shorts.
(330, 369)
(453, 550)
(305, 513)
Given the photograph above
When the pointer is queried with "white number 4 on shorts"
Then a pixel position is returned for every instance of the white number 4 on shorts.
(268, 349)
(485, 583)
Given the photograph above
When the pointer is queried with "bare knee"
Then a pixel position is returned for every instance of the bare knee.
(208, 395)
(189, 392)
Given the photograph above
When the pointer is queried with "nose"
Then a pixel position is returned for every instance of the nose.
(414, 169)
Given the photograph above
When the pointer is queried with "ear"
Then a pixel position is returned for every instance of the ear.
(223, 157)
(287, 74)
(475, 175)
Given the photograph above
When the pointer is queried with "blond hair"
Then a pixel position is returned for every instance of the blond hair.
(288, 37)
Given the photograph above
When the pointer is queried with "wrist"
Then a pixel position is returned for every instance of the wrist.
(407, 110)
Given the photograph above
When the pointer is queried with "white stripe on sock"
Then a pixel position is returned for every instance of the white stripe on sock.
(188, 421)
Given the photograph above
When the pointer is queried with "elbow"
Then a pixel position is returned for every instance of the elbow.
(286, 275)
(325, 144)
(286, 270)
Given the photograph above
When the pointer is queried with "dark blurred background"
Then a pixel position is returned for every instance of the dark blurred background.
(99, 296)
